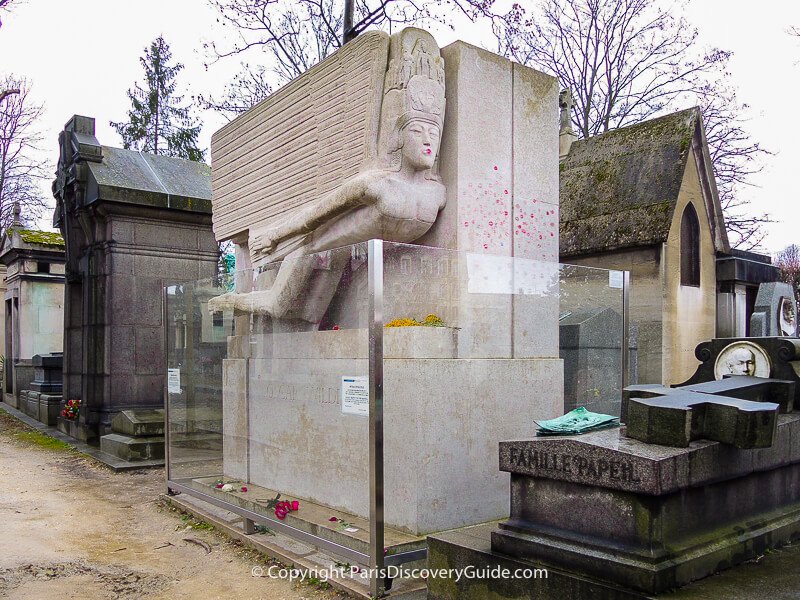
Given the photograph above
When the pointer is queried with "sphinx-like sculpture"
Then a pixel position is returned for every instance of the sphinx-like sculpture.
(396, 199)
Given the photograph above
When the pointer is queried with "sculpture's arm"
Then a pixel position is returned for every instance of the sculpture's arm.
(350, 194)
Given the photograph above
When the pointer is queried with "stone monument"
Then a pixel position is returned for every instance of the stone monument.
(34, 304)
(361, 147)
(133, 222)
(703, 478)
(775, 312)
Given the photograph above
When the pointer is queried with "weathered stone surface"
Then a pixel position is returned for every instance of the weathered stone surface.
(648, 517)
(139, 422)
(590, 342)
(678, 418)
(133, 448)
(608, 459)
(470, 548)
(49, 409)
(775, 311)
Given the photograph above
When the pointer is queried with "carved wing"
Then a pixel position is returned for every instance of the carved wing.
(301, 142)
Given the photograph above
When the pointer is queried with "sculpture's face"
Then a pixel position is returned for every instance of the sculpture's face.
(420, 144)
(742, 362)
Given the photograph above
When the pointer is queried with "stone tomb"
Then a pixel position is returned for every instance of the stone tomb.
(443, 413)
(618, 517)
(590, 342)
(133, 222)
(775, 311)
(43, 398)
(450, 392)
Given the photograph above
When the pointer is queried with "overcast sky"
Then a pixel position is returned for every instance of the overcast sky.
(83, 55)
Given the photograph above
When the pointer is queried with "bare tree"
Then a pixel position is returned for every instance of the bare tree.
(788, 262)
(630, 60)
(736, 157)
(287, 38)
(5, 6)
(21, 171)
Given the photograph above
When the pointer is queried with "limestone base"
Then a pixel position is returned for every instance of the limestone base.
(285, 429)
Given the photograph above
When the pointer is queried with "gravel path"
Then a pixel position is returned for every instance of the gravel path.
(72, 528)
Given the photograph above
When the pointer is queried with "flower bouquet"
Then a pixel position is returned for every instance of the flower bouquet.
(71, 409)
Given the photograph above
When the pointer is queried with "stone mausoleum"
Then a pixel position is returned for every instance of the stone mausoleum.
(644, 199)
(34, 303)
(132, 222)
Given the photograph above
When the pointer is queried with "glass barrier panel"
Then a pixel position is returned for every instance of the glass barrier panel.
(268, 407)
(268, 392)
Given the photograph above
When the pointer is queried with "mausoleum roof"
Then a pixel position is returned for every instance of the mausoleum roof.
(619, 189)
(143, 178)
(41, 238)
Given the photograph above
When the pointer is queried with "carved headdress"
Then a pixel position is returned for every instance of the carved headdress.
(413, 89)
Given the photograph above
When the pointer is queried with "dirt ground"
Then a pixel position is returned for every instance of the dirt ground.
(72, 528)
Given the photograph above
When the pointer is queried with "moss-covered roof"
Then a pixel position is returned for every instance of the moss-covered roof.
(42, 238)
(619, 189)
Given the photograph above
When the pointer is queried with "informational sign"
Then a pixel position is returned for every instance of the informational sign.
(615, 280)
(174, 381)
(355, 396)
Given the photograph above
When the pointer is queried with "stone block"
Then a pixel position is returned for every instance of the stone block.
(235, 425)
(451, 412)
(49, 409)
(775, 311)
(139, 422)
(661, 517)
(470, 548)
(133, 448)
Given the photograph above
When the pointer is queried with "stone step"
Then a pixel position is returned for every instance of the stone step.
(139, 422)
(133, 448)
(312, 517)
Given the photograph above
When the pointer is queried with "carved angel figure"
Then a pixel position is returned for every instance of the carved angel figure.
(397, 201)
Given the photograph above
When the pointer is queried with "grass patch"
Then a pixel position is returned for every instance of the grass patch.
(196, 523)
(20, 432)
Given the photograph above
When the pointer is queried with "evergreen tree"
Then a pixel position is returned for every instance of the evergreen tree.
(157, 122)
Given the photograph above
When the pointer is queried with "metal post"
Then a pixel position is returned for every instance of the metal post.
(165, 324)
(376, 538)
(626, 317)
(347, 29)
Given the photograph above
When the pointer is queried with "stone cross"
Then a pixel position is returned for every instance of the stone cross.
(565, 103)
(739, 410)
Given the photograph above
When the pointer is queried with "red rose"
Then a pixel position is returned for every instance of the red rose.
(333, 519)
(280, 512)
(295, 505)
(244, 488)
(336, 328)
(218, 486)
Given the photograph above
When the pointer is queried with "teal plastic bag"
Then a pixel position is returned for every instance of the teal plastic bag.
(576, 422)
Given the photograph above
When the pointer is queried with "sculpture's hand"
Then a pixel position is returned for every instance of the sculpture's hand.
(262, 242)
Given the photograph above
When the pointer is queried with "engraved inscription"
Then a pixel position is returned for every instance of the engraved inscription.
(597, 469)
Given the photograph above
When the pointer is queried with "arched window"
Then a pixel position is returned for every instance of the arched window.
(690, 247)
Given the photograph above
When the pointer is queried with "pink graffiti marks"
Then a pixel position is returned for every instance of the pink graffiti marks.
(495, 222)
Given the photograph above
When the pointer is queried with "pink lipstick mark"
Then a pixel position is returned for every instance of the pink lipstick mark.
(428, 151)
